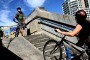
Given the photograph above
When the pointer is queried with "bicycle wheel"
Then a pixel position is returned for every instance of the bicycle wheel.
(17, 32)
(51, 50)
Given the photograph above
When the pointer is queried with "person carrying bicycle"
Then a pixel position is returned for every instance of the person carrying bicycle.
(21, 20)
(82, 29)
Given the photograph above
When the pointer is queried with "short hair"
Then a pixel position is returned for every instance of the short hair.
(18, 8)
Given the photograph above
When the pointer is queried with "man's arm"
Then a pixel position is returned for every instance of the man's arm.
(14, 19)
(71, 33)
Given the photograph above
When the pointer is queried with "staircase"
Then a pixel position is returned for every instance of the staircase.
(39, 41)
(24, 47)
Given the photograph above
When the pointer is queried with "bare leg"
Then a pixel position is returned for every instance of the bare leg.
(22, 31)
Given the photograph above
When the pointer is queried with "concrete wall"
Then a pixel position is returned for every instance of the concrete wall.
(50, 31)
(68, 19)
(34, 26)
(33, 14)
(54, 20)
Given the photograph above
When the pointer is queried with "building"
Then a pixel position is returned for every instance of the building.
(87, 3)
(87, 10)
(8, 30)
(66, 8)
(87, 7)
(71, 6)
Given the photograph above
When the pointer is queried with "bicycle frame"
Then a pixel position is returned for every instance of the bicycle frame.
(72, 45)
(16, 33)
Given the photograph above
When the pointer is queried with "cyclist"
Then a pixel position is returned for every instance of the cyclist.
(21, 20)
(82, 29)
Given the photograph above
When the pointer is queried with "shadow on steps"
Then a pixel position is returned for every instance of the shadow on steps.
(6, 54)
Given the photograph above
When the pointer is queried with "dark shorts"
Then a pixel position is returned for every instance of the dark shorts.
(21, 25)
(81, 42)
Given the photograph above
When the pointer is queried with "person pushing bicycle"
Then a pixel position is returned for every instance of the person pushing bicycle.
(21, 20)
(82, 29)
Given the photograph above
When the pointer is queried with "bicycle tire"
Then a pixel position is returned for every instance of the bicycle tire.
(17, 33)
(56, 46)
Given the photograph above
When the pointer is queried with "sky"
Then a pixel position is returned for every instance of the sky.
(8, 8)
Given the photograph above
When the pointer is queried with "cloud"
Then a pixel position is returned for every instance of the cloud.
(4, 18)
(5, 13)
(5, 3)
(34, 3)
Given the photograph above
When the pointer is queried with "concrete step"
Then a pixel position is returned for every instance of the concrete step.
(25, 50)
(39, 41)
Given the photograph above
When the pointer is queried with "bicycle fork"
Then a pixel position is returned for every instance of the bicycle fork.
(64, 55)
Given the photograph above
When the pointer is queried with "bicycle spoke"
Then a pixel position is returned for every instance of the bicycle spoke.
(54, 49)
(51, 50)
(55, 57)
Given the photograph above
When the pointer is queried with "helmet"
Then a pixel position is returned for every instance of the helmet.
(18, 8)
(81, 14)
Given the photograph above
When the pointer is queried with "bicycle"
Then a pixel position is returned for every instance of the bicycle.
(18, 28)
(16, 33)
(59, 46)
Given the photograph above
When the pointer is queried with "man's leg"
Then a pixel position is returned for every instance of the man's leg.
(88, 44)
(80, 43)
(21, 31)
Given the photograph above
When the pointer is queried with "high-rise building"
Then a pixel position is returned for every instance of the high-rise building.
(71, 6)
(66, 9)
(87, 10)
(87, 3)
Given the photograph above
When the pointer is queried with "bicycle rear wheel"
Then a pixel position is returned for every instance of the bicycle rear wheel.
(51, 50)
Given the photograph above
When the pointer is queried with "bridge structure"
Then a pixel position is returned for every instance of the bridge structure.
(41, 25)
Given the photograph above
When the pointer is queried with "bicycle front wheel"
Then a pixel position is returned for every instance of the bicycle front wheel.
(51, 50)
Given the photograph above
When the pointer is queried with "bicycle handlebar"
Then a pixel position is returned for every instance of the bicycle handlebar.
(65, 31)
(62, 34)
